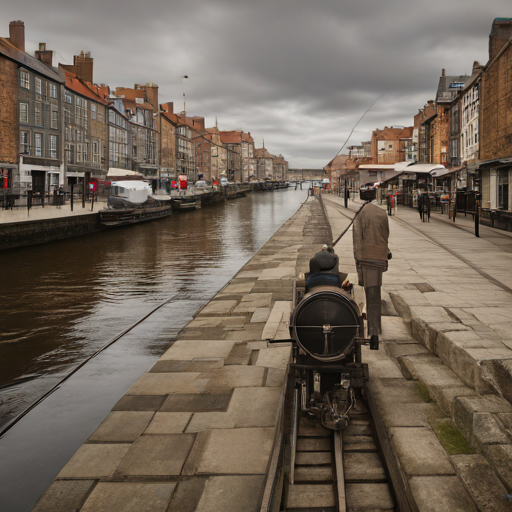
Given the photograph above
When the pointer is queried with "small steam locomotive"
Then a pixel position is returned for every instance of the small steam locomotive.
(328, 329)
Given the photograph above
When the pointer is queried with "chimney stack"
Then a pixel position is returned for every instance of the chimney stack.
(17, 34)
(44, 55)
(83, 65)
(501, 32)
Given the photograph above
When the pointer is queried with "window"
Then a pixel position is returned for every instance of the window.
(71, 154)
(95, 152)
(37, 113)
(93, 110)
(24, 143)
(55, 118)
(23, 112)
(66, 116)
(53, 90)
(53, 146)
(24, 79)
(68, 98)
(38, 144)
(38, 85)
(503, 188)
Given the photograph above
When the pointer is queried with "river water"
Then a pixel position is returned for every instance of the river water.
(62, 301)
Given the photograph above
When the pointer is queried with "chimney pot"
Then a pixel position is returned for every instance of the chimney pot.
(42, 47)
(443, 73)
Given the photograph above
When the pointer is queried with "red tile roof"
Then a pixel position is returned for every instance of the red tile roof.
(86, 89)
(234, 137)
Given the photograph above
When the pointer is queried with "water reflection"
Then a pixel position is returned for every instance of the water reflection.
(61, 301)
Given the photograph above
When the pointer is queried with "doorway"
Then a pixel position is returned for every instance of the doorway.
(38, 181)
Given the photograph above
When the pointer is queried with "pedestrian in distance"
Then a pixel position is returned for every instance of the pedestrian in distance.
(389, 202)
(421, 204)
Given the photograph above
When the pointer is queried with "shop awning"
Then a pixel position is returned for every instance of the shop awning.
(114, 171)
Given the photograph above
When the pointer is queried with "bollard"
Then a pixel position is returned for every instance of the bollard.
(477, 218)
(71, 197)
(92, 202)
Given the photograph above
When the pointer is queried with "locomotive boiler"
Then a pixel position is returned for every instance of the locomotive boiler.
(327, 328)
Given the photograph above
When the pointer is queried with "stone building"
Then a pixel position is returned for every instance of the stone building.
(264, 163)
(388, 146)
(141, 111)
(241, 161)
(118, 138)
(280, 169)
(31, 114)
(85, 131)
(218, 153)
(496, 119)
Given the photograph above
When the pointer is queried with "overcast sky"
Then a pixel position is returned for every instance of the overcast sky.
(298, 73)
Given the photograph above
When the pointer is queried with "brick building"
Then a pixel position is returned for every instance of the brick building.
(38, 104)
(388, 146)
(168, 125)
(496, 119)
(85, 130)
(9, 127)
(218, 153)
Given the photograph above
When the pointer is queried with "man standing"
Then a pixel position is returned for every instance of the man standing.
(182, 178)
(371, 252)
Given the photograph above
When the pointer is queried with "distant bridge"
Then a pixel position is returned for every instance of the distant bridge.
(307, 174)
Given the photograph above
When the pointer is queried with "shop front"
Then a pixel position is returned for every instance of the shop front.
(496, 202)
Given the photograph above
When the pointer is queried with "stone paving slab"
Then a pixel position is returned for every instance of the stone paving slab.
(237, 451)
(407, 376)
(64, 495)
(197, 431)
(129, 497)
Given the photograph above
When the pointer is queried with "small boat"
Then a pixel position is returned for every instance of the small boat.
(130, 202)
(185, 203)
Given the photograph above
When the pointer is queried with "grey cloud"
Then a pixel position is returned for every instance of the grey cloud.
(296, 72)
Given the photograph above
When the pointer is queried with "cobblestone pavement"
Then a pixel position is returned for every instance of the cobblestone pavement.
(442, 379)
(196, 432)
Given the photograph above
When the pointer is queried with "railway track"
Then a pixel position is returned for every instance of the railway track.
(338, 471)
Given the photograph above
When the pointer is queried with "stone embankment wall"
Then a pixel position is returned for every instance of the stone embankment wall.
(18, 234)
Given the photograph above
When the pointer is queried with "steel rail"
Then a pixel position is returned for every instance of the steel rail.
(81, 365)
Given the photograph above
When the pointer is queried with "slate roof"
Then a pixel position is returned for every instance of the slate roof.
(445, 93)
(27, 61)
